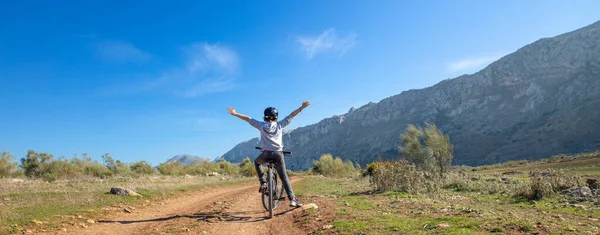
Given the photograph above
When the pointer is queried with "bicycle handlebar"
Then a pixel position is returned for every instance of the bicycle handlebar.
(284, 152)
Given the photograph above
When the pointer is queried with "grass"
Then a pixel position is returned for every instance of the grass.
(55, 204)
(360, 210)
(588, 167)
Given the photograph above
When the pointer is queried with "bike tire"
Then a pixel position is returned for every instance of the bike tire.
(278, 193)
(271, 186)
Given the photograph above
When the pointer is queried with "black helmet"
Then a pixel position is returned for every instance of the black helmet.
(271, 114)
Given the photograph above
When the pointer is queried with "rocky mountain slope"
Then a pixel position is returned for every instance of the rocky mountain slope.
(541, 100)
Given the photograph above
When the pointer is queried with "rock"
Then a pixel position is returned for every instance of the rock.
(577, 192)
(123, 192)
(91, 221)
(578, 200)
(128, 210)
(443, 225)
(188, 176)
(79, 217)
(212, 174)
(593, 219)
(37, 222)
(310, 206)
(63, 230)
(28, 231)
(329, 226)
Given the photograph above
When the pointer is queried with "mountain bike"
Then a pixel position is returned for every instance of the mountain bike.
(271, 198)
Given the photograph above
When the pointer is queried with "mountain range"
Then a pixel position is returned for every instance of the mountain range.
(541, 100)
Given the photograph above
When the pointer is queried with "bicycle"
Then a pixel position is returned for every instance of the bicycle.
(270, 199)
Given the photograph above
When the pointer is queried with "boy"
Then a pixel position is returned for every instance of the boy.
(271, 133)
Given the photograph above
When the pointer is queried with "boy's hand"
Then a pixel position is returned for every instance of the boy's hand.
(232, 111)
(306, 103)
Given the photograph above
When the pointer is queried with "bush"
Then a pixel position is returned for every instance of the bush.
(91, 167)
(546, 184)
(35, 164)
(171, 168)
(428, 148)
(475, 183)
(7, 167)
(97, 170)
(327, 165)
(401, 176)
(227, 168)
(61, 169)
(247, 168)
(141, 168)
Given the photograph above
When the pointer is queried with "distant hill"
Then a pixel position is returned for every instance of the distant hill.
(185, 159)
(542, 100)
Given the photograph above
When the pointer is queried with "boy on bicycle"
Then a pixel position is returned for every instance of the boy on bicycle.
(271, 132)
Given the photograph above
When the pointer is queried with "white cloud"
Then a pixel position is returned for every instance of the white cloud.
(207, 68)
(470, 64)
(328, 41)
(118, 51)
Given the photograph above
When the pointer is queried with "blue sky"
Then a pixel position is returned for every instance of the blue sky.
(146, 80)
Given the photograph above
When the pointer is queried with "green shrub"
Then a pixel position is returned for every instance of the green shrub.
(227, 168)
(171, 168)
(327, 165)
(401, 176)
(35, 164)
(427, 148)
(546, 184)
(141, 168)
(61, 169)
(97, 170)
(247, 168)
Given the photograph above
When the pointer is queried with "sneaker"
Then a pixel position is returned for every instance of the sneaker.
(295, 203)
(263, 188)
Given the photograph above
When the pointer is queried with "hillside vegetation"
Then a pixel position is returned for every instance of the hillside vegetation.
(545, 196)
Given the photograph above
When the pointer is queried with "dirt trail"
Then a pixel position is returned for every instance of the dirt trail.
(233, 209)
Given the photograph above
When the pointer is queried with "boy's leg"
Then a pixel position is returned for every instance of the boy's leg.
(280, 167)
(261, 159)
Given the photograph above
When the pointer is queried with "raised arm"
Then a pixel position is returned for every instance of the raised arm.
(305, 104)
(241, 116)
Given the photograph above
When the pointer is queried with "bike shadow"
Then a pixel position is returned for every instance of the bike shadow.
(209, 217)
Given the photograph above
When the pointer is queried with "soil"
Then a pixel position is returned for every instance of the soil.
(233, 209)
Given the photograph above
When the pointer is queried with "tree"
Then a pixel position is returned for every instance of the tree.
(110, 163)
(429, 149)
(7, 167)
(35, 164)
(440, 147)
(412, 147)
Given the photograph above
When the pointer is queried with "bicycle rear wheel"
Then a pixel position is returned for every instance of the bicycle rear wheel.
(271, 182)
(278, 193)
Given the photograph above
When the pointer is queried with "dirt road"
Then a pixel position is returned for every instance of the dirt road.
(233, 209)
